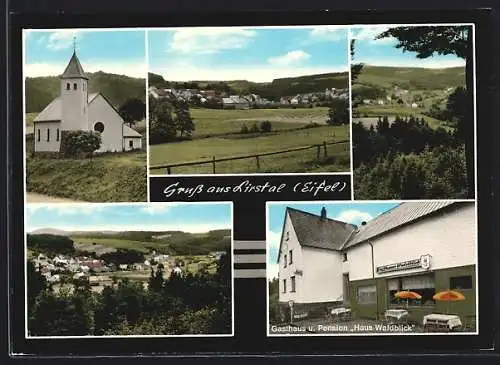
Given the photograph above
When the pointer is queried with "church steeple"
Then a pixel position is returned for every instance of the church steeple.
(74, 68)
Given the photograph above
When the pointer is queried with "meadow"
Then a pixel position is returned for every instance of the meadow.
(217, 134)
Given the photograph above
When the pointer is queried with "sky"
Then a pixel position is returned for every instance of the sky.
(187, 217)
(254, 54)
(354, 213)
(120, 52)
(382, 52)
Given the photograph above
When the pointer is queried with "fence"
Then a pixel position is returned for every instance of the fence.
(214, 161)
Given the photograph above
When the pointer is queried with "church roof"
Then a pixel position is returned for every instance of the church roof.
(129, 132)
(52, 112)
(74, 69)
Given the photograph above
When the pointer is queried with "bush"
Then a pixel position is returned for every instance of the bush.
(265, 126)
(79, 143)
(244, 129)
(254, 129)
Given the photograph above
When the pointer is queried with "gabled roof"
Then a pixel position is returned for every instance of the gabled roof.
(129, 132)
(74, 69)
(52, 112)
(401, 215)
(314, 231)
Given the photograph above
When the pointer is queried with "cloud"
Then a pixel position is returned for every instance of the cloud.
(354, 216)
(158, 208)
(209, 40)
(62, 39)
(431, 62)
(290, 58)
(328, 33)
(369, 34)
(255, 73)
(130, 68)
(65, 209)
(191, 228)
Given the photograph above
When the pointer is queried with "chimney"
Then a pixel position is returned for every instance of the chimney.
(323, 213)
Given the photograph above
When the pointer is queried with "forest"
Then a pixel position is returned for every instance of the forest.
(181, 304)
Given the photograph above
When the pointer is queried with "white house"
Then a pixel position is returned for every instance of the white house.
(414, 105)
(424, 247)
(75, 109)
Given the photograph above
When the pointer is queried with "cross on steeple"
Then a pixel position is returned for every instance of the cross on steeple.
(74, 44)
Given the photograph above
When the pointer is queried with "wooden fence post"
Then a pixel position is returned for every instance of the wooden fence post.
(258, 162)
(213, 164)
(324, 148)
(169, 170)
(318, 149)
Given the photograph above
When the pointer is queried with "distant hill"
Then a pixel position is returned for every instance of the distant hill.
(171, 242)
(40, 91)
(272, 90)
(412, 77)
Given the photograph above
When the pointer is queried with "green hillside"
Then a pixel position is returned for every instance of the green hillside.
(412, 77)
(40, 91)
(271, 90)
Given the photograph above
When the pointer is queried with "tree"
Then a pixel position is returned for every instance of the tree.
(265, 126)
(184, 122)
(356, 68)
(445, 40)
(162, 125)
(88, 142)
(132, 110)
(36, 284)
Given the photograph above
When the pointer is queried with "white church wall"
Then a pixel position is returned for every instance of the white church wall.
(133, 143)
(111, 137)
(50, 144)
(74, 104)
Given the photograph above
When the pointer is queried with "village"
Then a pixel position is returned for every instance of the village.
(63, 270)
(220, 99)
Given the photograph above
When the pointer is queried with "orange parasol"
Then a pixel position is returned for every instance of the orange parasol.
(406, 294)
(449, 296)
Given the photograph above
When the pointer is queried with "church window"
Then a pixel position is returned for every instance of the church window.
(74, 86)
(57, 134)
(99, 127)
(68, 86)
(83, 86)
(38, 135)
(48, 134)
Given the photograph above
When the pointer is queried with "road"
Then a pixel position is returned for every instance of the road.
(41, 198)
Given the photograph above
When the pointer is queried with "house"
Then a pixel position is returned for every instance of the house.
(235, 102)
(380, 102)
(367, 101)
(424, 247)
(414, 105)
(77, 110)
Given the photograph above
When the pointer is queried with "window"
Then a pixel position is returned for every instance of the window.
(461, 282)
(57, 134)
(74, 86)
(344, 257)
(99, 127)
(131, 144)
(292, 282)
(83, 86)
(38, 135)
(287, 236)
(284, 261)
(367, 294)
(291, 256)
(68, 86)
(48, 134)
(421, 284)
(284, 285)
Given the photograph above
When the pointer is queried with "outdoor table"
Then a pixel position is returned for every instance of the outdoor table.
(340, 312)
(436, 321)
(397, 314)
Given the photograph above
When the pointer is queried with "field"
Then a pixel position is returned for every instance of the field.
(217, 135)
(106, 178)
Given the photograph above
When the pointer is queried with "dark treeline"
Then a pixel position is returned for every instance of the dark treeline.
(50, 244)
(181, 304)
(408, 159)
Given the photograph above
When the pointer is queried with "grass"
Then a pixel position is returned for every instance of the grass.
(115, 243)
(211, 122)
(118, 177)
(204, 149)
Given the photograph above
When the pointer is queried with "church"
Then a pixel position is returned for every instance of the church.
(75, 109)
